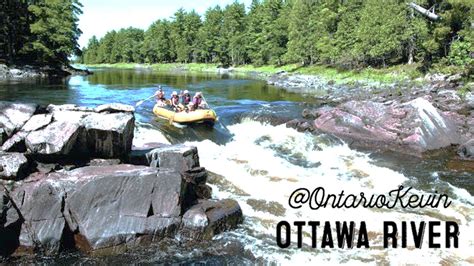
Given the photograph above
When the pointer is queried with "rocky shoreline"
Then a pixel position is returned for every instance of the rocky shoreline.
(411, 118)
(31, 72)
(71, 179)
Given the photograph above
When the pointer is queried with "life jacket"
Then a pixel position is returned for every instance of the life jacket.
(175, 100)
(196, 102)
(186, 99)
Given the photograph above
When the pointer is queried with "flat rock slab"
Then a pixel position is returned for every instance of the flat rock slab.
(13, 166)
(58, 138)
(414, 127)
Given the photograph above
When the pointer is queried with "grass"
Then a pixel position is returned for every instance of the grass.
(384, 75)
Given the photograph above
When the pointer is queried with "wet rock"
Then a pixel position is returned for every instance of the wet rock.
(454, 78)
(413, 127)
(109, 135)
(13, 166)
(14, 115)
(466, 150)
(58, 138)
(208, 218)
(114, 108)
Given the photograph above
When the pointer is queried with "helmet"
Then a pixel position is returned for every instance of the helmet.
(186, 92)
(160, 88)
(198, 93)
(174, 93)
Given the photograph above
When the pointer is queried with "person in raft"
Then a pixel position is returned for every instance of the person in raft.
(160, 97)
(198, 102)
(186, 98)
(175, 102)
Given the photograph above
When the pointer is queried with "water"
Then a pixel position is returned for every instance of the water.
(260, 163)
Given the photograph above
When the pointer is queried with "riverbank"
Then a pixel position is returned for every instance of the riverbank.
(387, 75)
(25, 72)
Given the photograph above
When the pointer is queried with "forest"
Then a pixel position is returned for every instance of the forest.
(348, 34)
(39, 32)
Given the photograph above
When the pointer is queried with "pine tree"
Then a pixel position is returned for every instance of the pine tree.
(232, 42)
(209, 35)
(54, 32)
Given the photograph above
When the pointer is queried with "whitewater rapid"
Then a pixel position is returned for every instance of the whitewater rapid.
(263, 164)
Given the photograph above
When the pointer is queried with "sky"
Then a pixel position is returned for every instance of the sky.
(100, 16)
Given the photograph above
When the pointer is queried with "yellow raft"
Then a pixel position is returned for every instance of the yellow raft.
(207, 116)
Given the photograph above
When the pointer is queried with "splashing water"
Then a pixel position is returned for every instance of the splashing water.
(267, 163)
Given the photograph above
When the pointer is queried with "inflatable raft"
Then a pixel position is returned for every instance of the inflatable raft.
(207, 116)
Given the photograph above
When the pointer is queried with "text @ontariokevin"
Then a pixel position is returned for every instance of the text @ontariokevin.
(345, 234)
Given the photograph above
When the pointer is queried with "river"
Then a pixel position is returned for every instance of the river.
(260, 162)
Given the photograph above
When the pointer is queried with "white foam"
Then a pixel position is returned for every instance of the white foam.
(253, 162)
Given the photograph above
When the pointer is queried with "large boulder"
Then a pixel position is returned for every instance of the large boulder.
(413, 127)
(113, 205)
(13, 166)
(109, 135)
(208, 218)
(14, 115)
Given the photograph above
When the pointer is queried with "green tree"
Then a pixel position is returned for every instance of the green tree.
(54, 31)
(232, 41)
(209, 36)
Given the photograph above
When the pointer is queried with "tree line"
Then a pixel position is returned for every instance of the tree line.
(344, 33)
(39, 32)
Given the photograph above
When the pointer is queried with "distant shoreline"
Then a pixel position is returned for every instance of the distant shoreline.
(399, 73)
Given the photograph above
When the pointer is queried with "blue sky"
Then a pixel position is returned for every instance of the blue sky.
(100, 16)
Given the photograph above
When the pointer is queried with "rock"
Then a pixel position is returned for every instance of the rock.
(14, 115)
(114, 108)
(109, 135)
(104, 162)
(10, 224)
(310, 114)
(470, 100)
(466, 150)
(179, 157)
(16, 143)
(58, 138)
(413, 128)
(14, 166)
(454, 78)
(37, 122)
(208, 218)
(41, 205)
(3, 136)
(115, 204)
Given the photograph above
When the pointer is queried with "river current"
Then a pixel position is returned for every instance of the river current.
(259, 162)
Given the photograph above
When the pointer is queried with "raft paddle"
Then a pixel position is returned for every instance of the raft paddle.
(144, 100)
